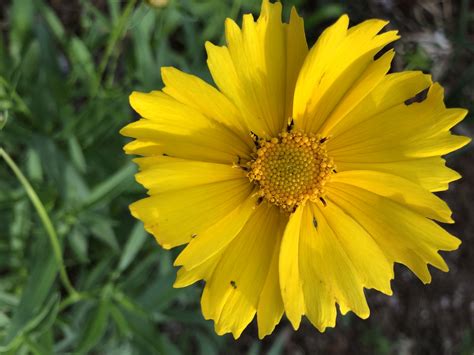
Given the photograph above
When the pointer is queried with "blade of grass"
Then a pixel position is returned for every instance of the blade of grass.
(117, 33)
(107, 189)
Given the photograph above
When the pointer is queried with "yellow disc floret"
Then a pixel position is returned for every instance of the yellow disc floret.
(291, 168)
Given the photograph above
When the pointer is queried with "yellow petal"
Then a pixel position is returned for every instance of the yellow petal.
(167, 122)
(369, 79)
(393, 90)
(338, 59)
(417, 130)
(231, 295)
(316, 61)
(399, 190)
(217, 237)
(253, 70)
(331, 264)
(185, 277)
(174, 217)
(204, 98)
(372, 266)
(161, 173)
(296, 52)
(430, 173)
(290, 278)
(143, 147)
(226, 78)
(270, 304)
(319, 299)
(404, 235)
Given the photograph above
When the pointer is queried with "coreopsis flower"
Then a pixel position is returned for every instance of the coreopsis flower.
(302, 178)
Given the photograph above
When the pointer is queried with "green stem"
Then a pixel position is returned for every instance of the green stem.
(20, 104)
(73, 299)
(117, 34)
(45, 220)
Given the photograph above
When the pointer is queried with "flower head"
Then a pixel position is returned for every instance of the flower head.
(302, 178)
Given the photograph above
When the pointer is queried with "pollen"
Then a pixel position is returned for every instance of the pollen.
(291, 169)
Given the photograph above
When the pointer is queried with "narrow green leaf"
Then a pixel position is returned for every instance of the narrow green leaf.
(33, 165)
(8, 300)
(111, 187)
(101, 229)
(96, 326)
(54, 23)
(82, 59)
(3, 119)
(21, 18)
(78, 243)
(133, 246)
(76, 154)
(28, 315)
(120, 320)
(4, 320)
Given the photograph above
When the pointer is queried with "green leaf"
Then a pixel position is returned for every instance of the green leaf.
(8, 300)
(76, 154)
(37, 348)
(134, 244)
(101, 228)
(147, 336)
(48, 321)
(31, 308)
(120, 320)
(34, 169)
(3, 119)
(21, 17)
(111, 187)
(78, 243)
(29, 314)
(4, 320)
(54, 23)
(96, 326)
(82, 60)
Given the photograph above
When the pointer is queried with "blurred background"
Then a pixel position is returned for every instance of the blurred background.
(66, 70)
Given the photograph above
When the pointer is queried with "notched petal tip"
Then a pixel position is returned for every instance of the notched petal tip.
(267, 7)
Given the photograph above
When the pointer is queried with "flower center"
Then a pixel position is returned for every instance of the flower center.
(291, 169)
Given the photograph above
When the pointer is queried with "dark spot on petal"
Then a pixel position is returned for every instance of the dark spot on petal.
(322, 140)
(260, 200)
(315, 222)
(321, 78)
(291, 123)
(233, 284)
(194, 235)
(420, 97)
(165, 155)
(323, 201)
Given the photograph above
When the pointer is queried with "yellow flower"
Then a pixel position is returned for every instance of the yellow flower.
(302, 178)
